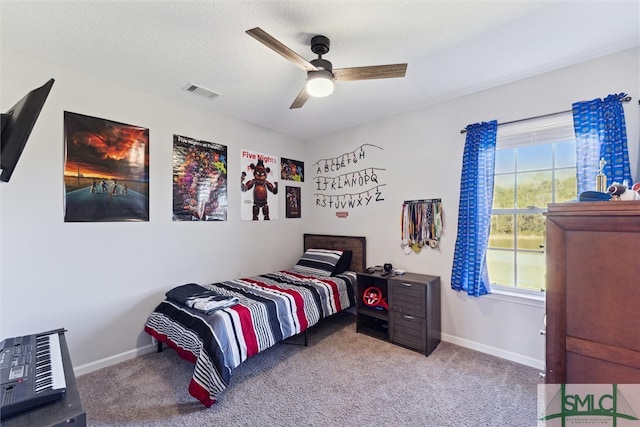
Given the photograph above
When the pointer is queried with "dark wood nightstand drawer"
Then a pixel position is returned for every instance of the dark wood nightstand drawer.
(408, 298)
(409, 331)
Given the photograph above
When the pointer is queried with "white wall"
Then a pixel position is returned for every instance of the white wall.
(101, 280)
(423, 157)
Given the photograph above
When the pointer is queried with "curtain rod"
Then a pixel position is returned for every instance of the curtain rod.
(625, 99)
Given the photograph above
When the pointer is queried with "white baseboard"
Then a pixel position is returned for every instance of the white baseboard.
(112, 360)
(462, 342)
(514, 357)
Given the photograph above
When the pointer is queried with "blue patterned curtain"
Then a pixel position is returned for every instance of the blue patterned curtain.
(601, 133)
(470, 272)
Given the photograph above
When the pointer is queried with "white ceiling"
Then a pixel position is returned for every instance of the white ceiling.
(452, 48)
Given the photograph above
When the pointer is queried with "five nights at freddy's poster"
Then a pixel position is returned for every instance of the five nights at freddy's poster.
(199, 180)
(259, 186)
(106, 171)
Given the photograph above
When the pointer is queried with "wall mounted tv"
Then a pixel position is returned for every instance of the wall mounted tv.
(17, 124)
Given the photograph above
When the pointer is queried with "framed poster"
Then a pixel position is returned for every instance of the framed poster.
(291, 170)
(199, 180)
(106, 171)
(259, 192)
(293, 203)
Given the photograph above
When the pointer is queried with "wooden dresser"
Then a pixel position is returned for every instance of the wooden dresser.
(593, 293)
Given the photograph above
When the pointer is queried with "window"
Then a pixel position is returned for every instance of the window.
(535, 165)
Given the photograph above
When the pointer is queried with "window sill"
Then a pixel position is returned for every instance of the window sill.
(533, 299)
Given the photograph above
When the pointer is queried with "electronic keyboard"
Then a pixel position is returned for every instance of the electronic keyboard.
(31, 372)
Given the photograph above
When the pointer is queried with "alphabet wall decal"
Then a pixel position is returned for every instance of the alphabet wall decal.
(347, 181)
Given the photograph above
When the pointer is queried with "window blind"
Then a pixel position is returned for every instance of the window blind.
(544, 130)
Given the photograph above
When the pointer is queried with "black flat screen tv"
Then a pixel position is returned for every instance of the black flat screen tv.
(17, 124)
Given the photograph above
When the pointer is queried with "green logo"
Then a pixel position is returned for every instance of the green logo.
(587, 405)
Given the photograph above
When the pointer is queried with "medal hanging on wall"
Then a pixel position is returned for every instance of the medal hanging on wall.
(421, 224)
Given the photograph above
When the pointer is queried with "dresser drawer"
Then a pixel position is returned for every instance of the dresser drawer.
(408, 298)
(409, 331)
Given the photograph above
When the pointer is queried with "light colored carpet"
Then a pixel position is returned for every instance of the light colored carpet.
(341, 379)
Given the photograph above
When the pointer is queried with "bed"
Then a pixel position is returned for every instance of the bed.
(230, 321)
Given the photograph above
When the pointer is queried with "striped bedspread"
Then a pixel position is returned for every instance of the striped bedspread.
(272, 307)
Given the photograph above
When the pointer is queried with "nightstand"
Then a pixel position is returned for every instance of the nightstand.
(413, 316)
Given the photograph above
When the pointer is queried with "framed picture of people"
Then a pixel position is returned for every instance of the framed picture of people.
(106, 170)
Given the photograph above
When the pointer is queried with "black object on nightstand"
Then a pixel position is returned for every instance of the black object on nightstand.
(413, 316)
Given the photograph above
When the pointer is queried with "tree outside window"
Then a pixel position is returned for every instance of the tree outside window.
(529, 174)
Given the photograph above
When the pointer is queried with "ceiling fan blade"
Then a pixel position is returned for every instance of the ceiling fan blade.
(372, 72)
(273, 44)
(300, 99)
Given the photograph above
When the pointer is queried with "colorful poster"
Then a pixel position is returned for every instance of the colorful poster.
(106, 171)
(293, 204)
(291, 170)
(199, 180)
(259, 192)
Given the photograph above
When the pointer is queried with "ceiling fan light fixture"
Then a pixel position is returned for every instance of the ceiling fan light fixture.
(320, 73)
(320, 83)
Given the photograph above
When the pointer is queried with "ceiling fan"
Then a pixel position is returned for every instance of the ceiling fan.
(320, 72)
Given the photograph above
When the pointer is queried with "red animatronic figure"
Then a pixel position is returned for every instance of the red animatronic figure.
(260, 186)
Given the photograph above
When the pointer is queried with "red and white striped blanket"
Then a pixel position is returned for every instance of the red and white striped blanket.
(272, 307)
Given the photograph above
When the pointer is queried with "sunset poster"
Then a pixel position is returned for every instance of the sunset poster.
(106, 171)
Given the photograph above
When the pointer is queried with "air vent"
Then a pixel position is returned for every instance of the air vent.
(201, 91)
(8, 395)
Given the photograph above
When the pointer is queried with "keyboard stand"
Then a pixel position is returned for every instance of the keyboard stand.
(63, 411)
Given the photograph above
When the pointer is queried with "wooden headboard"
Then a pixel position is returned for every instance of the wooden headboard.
(357, 246)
